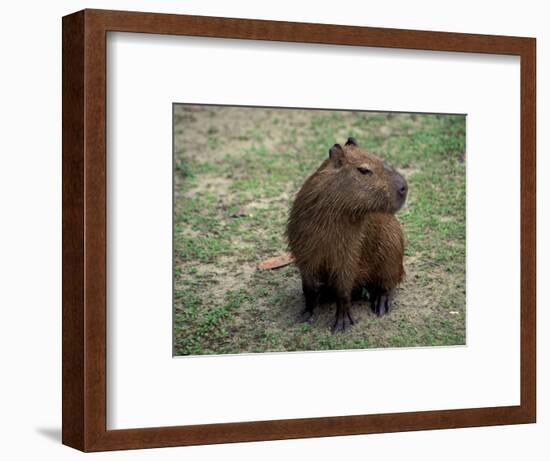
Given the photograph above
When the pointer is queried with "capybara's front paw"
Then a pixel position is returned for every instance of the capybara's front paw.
(381, 303)
(342, 323)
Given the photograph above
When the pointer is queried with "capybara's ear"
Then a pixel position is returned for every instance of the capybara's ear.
(336, 154)
(351, 142)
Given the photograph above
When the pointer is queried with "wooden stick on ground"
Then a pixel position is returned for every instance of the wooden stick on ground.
(276, 262)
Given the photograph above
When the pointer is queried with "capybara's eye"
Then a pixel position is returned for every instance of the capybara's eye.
(364, 170)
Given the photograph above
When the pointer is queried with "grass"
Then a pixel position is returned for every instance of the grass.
(236, 172)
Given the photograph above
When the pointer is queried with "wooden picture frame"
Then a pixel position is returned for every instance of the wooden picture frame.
(85, 222)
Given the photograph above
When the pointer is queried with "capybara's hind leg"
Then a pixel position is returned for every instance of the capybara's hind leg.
(381, 300)
(343, 318)
(312, 290)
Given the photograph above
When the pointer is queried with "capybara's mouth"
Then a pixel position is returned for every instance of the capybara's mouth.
(402, 203)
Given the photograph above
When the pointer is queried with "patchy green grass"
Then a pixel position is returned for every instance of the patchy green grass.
(236, 172)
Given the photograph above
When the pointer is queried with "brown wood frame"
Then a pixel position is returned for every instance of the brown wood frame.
(84, 229)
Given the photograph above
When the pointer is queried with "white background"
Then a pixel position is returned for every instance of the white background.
(30, 248)
(146, 387)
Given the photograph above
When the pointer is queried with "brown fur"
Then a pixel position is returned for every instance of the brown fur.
(343, 233)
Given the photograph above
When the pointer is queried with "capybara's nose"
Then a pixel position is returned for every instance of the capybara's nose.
(401, 185)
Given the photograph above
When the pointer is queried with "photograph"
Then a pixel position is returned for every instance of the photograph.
(312, 229)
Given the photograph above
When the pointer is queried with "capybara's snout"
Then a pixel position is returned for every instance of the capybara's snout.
(401, 189)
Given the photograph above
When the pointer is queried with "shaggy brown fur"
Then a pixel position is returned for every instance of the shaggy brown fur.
(343, 234)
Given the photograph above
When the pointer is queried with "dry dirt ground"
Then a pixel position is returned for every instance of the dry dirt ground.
(236, 171)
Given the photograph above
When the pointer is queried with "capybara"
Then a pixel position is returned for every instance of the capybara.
(343, 232)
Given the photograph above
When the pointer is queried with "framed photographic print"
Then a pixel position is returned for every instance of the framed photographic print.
(279, 230)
